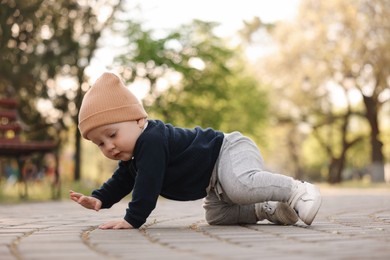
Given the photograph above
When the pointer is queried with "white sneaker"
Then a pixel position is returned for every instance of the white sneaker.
(277, 212)
(305, 200)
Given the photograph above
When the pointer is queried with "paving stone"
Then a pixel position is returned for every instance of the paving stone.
(351, 224)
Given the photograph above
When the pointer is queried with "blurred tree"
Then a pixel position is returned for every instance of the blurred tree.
(194, 79)
(46, 46)
(334, 52)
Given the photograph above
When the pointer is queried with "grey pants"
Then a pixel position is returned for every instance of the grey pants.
(239, 181)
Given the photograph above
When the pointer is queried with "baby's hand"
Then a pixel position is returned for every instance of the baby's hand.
(116, 224)
(85, 201)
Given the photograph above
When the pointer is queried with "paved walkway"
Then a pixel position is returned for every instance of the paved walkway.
(351, 224)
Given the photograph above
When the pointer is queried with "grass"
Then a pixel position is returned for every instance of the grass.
(39, 191)
(357, 185)
(42, 191)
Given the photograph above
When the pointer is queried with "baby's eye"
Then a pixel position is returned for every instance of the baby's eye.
(113, 135)
(100, 144)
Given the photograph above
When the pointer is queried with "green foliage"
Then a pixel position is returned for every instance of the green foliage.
(359, 156)
(36, 41)
(206, 82)
(313, 162)
(45, 47)
(41, 191)
(42, 42)
(329, 70)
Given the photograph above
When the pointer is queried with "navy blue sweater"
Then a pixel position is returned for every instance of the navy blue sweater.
(173, 162)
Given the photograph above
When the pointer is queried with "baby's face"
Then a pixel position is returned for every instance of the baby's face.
(117, 141)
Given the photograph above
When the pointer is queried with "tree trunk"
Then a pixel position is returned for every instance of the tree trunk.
(293, 147)
(56, 185)
(23, 192)
(77, 166)
(376, 168)
(335, 170)
(77, 155)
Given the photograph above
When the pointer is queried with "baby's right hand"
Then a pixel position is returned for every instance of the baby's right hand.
(85, 201)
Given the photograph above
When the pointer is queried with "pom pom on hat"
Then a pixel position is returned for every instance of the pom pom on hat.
(108, 101)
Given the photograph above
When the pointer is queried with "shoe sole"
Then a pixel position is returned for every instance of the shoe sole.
(285, 214)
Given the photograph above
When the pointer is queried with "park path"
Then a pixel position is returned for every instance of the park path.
(351, 224)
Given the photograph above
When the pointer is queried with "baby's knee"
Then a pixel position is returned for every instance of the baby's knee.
(216, 218)
(217, 214)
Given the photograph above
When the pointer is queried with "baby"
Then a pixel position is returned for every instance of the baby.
(159, 159)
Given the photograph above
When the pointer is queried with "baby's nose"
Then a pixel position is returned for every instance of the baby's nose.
(110, 146)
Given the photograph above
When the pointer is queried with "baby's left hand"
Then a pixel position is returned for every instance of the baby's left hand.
(116, 224)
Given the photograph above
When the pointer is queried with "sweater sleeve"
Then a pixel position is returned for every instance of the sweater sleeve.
(118, 186)
(151, 160)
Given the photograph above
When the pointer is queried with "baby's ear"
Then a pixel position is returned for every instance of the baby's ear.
(141, 122)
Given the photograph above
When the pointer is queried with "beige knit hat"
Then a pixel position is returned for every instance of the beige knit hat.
(108, 101)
